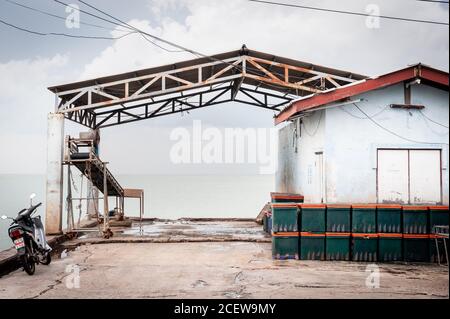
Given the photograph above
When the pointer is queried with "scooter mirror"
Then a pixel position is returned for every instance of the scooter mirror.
(4, 217)
(31, 198)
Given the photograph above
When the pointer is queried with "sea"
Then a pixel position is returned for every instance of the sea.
(166, 196)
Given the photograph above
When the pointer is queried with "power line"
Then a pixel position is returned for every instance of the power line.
(61, 34)
(88, 13)
(195, 53)
(317, 127)
(363, 118)
(129, 27)
(348, 12)
(57, 16)
(144, 35)
(159, 46)
(433, 1)
(124, 24)
(389, 131)
(431, 120)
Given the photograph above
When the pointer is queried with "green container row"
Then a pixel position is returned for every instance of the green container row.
(319, 218)
(358, 247)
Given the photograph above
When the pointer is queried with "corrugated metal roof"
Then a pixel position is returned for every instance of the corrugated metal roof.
(194, 74)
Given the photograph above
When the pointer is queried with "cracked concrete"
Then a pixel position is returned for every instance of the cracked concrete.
(216, 270)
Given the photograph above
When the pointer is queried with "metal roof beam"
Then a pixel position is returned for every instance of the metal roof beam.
(86, 102)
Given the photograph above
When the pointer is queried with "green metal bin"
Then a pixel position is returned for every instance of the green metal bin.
(365, 247)
(364, 219)
(415, 220)
(338, 218)
(285, 246)
(284, 217)
(286, 198)
(312, 246)
(312, 218)
(338, 246)
(390, 247)
(439, 216)
(389, 219)
(416, 247)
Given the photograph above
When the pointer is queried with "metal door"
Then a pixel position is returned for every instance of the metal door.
(425, 176)
(393, 176)
(409, 176)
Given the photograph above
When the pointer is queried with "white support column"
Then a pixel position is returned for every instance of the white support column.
(55, 150)
(92, 191)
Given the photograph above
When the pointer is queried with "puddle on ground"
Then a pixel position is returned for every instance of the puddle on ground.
(197, 229)
(232, 295)
(199, 283)
(63, 254)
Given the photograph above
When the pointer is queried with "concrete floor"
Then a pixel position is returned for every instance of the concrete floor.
(215, 270)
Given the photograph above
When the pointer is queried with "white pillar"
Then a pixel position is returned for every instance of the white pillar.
(55, 150)
(92, 191)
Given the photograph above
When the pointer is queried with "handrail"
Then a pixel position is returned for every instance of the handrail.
(441, 230)
(74, 145)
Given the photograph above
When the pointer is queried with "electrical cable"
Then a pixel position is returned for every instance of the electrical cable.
(431, 120)
(181, 48)
(195, 53)
(316, 129)
(360, 117)
(432, 127)
(348, 12)
(62, 34)
(120, 24)
(88, 13)
(392, 132)
(433, 1)
(127, 26)
(59, 17)
(124, 24)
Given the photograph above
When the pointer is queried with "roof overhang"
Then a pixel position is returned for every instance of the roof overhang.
(428, 75)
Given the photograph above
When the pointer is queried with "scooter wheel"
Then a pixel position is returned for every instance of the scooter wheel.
(47, 259)
(28, 264)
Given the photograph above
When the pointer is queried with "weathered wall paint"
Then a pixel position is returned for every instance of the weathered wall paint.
(54, 198)
(296, 169)
(350, 142)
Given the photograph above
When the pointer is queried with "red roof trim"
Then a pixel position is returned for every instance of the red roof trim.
(434, 76)
(383, 81)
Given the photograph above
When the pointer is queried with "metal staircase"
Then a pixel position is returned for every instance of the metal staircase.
(81, 154)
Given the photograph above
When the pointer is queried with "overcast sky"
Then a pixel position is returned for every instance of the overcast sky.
(30, 63)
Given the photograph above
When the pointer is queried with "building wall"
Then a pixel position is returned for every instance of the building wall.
(286, 173)
(298, 145)
(350, 142)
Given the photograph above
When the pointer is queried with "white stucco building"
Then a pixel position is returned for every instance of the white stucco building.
(379, 140)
